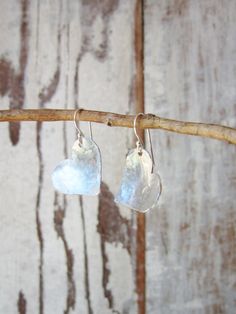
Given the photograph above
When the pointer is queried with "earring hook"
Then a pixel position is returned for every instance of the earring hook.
(139, 142)
(90, 130)
(80, 133)
(151, 149)
(135, 129)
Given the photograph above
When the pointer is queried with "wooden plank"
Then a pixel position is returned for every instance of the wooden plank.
(139, 106)
(64, 254)
(190, 74)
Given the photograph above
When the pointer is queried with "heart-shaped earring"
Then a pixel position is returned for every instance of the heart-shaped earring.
(140, 186)
(82, 173)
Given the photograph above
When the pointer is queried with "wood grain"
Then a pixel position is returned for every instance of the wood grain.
(87, 255)
(63, 254)
(140, 107)
(189, 62)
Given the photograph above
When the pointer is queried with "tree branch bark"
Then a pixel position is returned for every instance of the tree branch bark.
(148, 121)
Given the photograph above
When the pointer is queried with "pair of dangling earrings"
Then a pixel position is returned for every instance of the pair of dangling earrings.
(140, 186)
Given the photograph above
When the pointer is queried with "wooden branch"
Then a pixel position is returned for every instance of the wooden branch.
(148, 121)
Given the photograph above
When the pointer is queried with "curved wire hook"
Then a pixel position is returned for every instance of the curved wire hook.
(135, 127)
(80, 133)
(140, 143)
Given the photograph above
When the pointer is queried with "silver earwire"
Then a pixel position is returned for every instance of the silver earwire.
(90, 130)
(135, 127)
(151, 149)
(140, 143)
(80, 133)
(153, 163)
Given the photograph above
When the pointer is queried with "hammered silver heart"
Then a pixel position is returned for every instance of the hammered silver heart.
(140, 186)
(81, 174)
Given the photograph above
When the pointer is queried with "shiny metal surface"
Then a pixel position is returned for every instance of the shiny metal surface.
(81, 174)
(140, 188)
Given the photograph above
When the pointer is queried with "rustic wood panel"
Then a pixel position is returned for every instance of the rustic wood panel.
(191, 238)
(64, 254)
(78, 255)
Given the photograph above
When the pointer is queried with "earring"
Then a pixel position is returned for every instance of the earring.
(82, 173)
(140, 186)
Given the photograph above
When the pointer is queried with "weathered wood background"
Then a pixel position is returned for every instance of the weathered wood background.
(79, 255)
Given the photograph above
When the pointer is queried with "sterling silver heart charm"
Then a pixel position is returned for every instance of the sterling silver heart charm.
(140, 186)
(81, 174)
